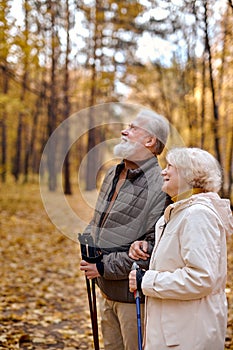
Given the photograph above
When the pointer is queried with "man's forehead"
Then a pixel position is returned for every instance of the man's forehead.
(139, 122)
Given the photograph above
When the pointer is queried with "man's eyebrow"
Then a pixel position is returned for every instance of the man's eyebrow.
(132, 125)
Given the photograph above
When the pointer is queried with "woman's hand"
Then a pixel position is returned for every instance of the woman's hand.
(138, 250)
(132, 281)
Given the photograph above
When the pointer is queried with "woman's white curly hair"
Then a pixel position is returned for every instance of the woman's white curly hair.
(198, 167)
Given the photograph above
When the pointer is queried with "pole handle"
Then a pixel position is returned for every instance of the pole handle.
(134, 266)
(136, 292)
(138, 311)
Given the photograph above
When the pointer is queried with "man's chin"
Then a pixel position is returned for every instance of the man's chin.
(124, 155)
(129, 151)
(121, 151)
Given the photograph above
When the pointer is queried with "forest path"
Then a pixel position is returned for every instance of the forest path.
(43, 302)
(43, 294)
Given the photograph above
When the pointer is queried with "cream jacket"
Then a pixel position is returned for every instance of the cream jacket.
(186, 307)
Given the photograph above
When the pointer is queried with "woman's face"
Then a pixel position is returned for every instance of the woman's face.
(173, 183)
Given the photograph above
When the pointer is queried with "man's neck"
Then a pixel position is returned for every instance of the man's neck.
(130, 165)
(134, 165)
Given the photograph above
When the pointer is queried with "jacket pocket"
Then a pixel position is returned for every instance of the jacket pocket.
(169, 321)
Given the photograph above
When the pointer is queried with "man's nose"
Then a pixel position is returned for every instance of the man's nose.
(124, 132)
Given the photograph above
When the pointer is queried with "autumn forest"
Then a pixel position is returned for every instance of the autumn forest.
(60, 57)
(88, 65)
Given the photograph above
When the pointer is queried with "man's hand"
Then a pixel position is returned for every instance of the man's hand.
(89, 269)
(132, 281)
(138, 250)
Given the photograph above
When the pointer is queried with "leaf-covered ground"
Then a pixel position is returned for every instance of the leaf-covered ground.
(43, 294)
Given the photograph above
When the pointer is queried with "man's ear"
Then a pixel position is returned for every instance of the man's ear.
(151, 141)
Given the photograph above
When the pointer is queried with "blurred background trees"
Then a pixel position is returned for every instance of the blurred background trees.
(59, 57)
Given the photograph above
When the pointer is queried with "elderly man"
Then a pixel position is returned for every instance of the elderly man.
(129, 204)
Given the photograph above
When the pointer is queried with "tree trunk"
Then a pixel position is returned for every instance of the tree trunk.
(4, 147)
(52, 181)
(203, 102)
(67, 182)
(31, 144)
(229, 169)
(214, 102)
(18, 146)
(19, 151)
(4, 130)
(92, 152)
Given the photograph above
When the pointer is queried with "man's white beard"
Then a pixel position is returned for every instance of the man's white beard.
(128, 150)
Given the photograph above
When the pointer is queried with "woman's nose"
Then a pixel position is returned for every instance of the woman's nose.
(164, 171)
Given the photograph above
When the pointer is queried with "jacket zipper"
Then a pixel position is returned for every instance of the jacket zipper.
(105, 213)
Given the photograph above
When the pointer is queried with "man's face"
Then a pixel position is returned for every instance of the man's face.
(133, 141)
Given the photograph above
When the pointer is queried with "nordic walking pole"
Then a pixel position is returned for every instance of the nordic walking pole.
(138, 310)
(93, 311)
(88, 253)
(95, 320)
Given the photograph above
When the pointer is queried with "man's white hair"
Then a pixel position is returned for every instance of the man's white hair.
(156, 125)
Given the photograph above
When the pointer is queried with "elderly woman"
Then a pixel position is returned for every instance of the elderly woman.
(186, 305)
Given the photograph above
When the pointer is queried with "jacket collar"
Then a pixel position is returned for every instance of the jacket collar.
(142, 167)
(181, 200)
(187, 194)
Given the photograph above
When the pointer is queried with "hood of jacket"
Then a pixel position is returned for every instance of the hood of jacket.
(220, 206)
